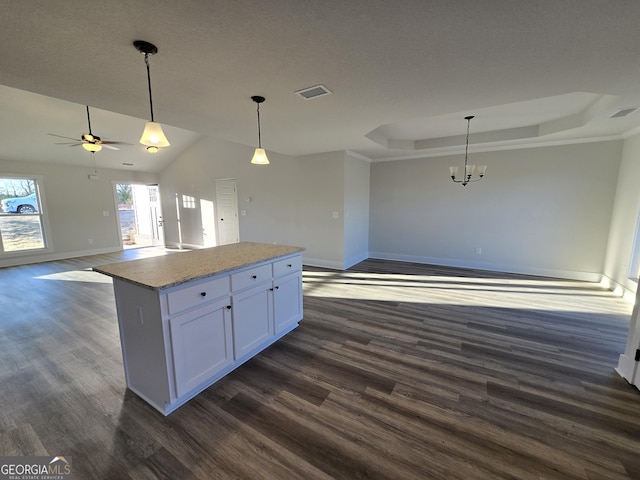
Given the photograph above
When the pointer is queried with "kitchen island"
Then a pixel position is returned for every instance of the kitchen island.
(189, 318)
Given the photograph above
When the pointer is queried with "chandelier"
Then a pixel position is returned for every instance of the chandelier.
(469, 170)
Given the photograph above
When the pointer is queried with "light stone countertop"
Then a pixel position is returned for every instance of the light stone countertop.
(177, 268)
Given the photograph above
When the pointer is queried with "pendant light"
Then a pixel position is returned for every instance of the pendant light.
(260, 156)
(468, 169)
(153, 136)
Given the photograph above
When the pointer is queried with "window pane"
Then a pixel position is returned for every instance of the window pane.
(20, 215)
(21, 232)
(18, 195)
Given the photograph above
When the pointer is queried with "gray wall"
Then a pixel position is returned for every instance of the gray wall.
(624, 220)
(291, 201)
(356, 210)
(542, 210)
(74, 207)
(546, 210)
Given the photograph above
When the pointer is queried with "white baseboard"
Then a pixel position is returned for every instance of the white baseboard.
(317, 262)
(620, 290)
(627, 368)
(350, 262)
(183, 246)
(519, 269)
(45, 256)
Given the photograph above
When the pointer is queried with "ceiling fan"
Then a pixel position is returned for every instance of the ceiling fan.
(89, 141)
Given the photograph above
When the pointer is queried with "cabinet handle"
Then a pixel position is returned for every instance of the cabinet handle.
(204, 294)
(228, 307)
(254, 276)
(271, 289)
(289, 266)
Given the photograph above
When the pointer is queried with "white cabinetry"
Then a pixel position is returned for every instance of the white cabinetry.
(287, 292)
(252, 319)
(201, 345)
(179, 340)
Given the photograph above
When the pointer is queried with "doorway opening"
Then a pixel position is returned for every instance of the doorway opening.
(139, 215)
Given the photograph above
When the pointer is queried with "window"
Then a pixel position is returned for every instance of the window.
(188, 202)
(20, 215)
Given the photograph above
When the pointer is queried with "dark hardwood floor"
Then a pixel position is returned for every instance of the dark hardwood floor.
(398, 371)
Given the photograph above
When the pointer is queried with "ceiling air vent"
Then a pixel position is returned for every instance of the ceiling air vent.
(313, 92)
(624, 112)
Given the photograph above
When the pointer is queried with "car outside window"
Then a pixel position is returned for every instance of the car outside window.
(21, 226)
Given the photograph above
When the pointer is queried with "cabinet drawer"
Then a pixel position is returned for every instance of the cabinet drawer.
(288, 265)
(196, 295)
(250, 277)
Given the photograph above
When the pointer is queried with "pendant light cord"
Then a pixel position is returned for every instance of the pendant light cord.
(466, 150)
(146, 61)
(259, 133)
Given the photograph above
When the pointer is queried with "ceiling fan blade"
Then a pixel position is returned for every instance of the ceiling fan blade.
(62, 136)
(112, 142)
(105, 145)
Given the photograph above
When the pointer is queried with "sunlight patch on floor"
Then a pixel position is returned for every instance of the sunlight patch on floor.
(539, 294)
(86, 276)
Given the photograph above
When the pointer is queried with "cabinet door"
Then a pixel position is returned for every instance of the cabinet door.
(252, 319)
(287, 301)
(202, 345)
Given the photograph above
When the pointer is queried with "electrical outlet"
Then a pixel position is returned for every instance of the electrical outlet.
(478, 251)
(91, 241)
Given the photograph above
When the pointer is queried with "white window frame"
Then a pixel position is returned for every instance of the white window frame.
(42, 213)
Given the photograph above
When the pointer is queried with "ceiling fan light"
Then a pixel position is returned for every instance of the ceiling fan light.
(260, 157)
(152, 149)
(153, 136)
(92, 147)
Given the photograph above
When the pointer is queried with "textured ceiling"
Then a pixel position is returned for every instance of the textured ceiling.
(403, 74)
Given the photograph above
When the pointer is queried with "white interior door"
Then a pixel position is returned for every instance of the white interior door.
(227, 211)
(208, 223)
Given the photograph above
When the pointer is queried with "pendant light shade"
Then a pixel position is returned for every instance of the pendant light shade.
(153, 137)
(259, 156)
